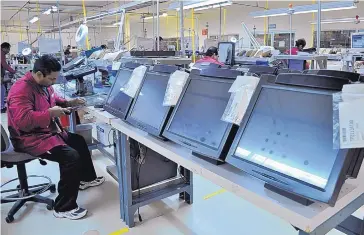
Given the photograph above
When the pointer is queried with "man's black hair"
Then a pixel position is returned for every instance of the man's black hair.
(103, 46)
(5, 45)
(211, 51)
(46, 65)
(301, 42)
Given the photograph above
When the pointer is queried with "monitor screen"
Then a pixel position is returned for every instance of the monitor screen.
(147, 108)
(287, 133)
(198, 117)
(117, 100)
(226, 52)
(357, 40)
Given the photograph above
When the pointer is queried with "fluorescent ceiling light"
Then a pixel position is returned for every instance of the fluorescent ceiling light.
(343, 20)
(213, 6)
(198, 4)
(47, 12)
(33, 20)
(329, 6)
(151, 17)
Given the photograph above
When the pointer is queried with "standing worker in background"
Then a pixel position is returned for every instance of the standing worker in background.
(34, 127)
(211, 56)
(300, 44)
(5, 49)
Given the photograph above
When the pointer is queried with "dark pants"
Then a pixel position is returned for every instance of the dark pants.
(75, 165)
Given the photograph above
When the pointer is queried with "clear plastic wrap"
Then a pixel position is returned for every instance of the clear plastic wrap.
(131, 87)
(348, 118)
(175, 85)
(241, 92)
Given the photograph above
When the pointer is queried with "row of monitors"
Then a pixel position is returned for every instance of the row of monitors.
(284, 139)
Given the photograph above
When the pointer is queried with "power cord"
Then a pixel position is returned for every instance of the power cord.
(140, 160)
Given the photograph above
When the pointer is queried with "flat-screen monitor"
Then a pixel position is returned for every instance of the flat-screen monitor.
(117, 102)
(286, 140)
(353, 77)
(147, 111)
(297, 65)
(261, 69)
(227, 53)
(73, 63)
(196, 120)
(357, 40)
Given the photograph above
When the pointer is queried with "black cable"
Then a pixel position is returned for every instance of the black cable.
(140, 163)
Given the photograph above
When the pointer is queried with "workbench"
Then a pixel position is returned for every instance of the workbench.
(321, 60)
(316, 219)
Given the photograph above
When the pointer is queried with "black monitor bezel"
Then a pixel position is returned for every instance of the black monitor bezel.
(144, 126)
(337, 176)
(197, 147)
(108, 108)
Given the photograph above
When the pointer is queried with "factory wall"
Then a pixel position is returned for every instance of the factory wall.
(236, 14)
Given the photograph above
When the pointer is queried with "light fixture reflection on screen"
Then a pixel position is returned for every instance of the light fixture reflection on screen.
(282, 168)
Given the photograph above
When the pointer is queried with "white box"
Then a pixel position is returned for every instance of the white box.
(104, 133)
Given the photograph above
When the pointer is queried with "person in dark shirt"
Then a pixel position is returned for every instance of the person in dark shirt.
(5, 49)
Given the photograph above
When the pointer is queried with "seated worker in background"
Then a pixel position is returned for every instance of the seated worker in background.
(33, 112)
(103, 47)
(300, 44)
(211, 56)
(5, 49)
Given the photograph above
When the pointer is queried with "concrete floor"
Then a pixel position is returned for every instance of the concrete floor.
(224, 213)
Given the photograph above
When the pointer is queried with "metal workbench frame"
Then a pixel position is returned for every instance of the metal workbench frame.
(131, 200)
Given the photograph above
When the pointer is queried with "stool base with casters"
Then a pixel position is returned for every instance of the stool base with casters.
(27, 193)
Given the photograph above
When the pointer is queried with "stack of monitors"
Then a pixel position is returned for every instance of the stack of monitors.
(286, 137)
(117, 102)
(147, 111)
(196, 120)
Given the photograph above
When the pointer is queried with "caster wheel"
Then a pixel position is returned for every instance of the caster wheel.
(50, 207)
(9, 219)
(52, 189)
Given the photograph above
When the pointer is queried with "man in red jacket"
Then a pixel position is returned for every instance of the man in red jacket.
(33, 112)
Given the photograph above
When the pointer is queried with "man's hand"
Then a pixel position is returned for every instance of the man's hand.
(76, 102)
(57, 111)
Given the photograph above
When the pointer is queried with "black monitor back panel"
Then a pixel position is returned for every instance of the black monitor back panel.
(353, 77)
(260, 70)
(117, 102)
(285, 139)
(147, 111)
(73, 63)
(196, 120)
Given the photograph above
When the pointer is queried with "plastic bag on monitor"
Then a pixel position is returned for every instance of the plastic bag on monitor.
(348, 117)
(241, 92)
(174, 89)
(131, 87)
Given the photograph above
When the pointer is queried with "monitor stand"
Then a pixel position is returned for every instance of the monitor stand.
(208, 159)
(294, 197)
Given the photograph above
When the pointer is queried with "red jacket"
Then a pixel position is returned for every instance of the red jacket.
(209, 59)
(28, 117)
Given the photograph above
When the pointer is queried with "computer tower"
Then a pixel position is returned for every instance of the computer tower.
(148, 167)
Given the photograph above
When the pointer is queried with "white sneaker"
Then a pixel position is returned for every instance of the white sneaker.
(99, 180)
(74, 214)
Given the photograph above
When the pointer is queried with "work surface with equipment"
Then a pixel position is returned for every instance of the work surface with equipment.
(278, 154)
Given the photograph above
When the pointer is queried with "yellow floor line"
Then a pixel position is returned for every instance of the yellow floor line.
(121, 231)
(214, 194)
